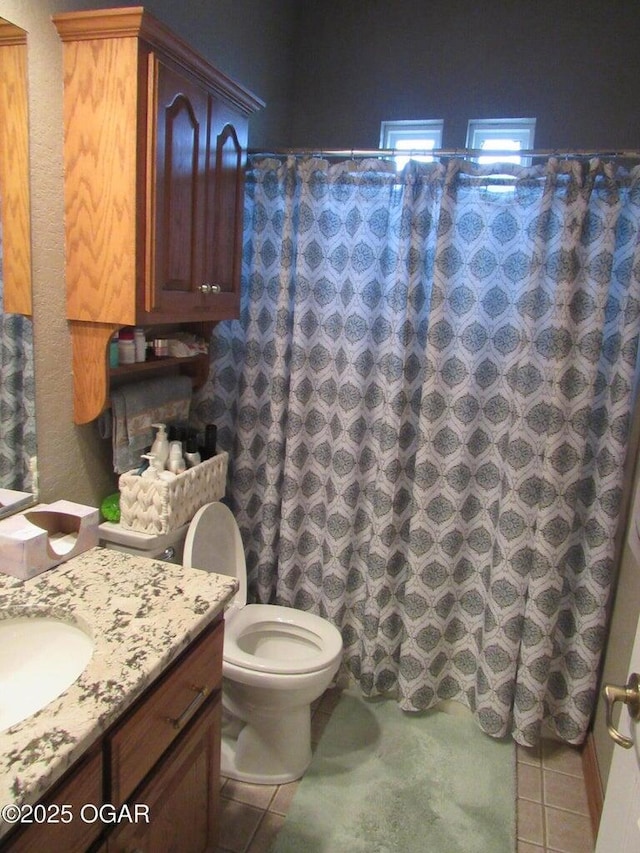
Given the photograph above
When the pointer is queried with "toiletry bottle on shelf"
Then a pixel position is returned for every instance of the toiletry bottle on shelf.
(161, 347)
(160, 446)
(150, 473)
(114, 358)
(140, 344)
(176, 461)
(178, 432)
(210, 435)
(191, 455)
(126, 347)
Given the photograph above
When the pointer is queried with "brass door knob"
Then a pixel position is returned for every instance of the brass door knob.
(630, 695)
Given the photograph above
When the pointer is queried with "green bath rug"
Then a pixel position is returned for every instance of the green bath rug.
(384, 781)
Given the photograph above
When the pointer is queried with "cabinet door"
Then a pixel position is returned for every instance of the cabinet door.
(225, 201)
(177, 195)
(150, 728)
(182, 796)
(59, 834)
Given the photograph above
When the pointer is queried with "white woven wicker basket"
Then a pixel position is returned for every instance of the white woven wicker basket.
(153, 506)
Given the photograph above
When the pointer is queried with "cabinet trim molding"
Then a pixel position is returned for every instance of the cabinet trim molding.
(136, 22)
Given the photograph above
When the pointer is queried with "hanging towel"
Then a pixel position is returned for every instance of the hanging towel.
(136, 407)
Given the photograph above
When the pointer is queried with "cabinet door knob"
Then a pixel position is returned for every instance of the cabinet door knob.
(209, 288)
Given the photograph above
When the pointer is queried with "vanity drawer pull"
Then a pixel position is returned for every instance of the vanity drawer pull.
(163, 713)
(201, 695)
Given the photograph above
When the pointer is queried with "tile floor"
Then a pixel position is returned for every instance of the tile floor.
(552, 804)
(553, 814)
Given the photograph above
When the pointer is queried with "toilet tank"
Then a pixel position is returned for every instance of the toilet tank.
(164, 546)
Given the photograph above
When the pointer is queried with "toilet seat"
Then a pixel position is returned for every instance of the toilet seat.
(254, 632)
(213, 544)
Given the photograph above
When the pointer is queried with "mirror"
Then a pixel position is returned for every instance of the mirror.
(17, 387)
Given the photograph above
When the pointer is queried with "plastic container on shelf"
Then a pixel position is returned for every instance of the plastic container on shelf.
(114, 355)
(126, 347)
(140, 344)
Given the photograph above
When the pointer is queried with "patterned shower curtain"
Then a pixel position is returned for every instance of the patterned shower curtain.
(427, 400)
(17, 397)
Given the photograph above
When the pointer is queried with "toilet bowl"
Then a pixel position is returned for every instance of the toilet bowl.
(276, 662)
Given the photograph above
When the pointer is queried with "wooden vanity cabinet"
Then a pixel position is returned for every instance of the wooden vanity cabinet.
(82, 787)
(154, 153)
(149, 729)
(182, 796)
(165, 756)
(162, 758)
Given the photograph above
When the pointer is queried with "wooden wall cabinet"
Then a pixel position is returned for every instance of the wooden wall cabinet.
(162, 757)
(14, 170)
(154, 153)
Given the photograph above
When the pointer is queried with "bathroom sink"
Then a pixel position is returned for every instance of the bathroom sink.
(40, 657)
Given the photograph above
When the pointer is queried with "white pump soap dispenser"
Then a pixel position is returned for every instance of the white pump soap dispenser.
(160, 447)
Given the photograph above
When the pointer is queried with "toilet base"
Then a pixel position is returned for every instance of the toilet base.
(269, 750)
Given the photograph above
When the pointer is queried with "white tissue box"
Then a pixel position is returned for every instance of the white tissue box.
(156, 506)
(45, 536)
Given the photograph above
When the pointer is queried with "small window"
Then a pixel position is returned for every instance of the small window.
(411, 136)
(501, 134)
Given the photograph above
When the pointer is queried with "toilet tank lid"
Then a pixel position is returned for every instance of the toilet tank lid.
(109, 531)
(214, 544)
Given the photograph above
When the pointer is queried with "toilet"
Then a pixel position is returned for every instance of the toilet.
(276, 662)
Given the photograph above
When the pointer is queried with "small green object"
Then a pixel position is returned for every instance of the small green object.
(110, 508)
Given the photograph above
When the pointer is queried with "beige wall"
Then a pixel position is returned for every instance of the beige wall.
(70, 461)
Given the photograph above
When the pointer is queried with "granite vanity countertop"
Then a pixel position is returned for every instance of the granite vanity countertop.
(140, 612)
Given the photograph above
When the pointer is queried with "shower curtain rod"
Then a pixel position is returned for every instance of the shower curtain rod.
(631, 154)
